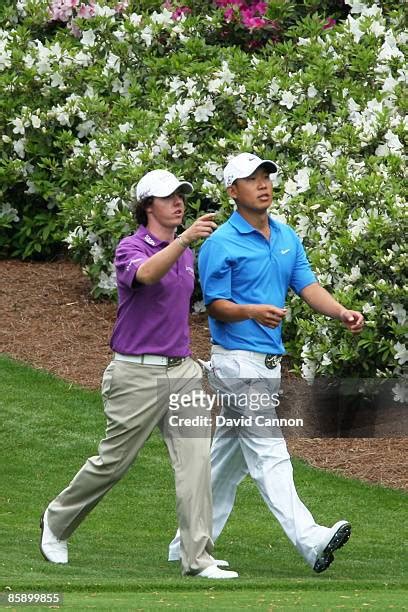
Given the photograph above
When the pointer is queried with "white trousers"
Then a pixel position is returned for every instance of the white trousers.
(257, 451)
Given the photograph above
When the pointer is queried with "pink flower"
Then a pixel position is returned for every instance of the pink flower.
(60, 13)
(179, 12)
(229, 14)
(250, 21)
(121, 7)
(261, 7)
(74, 29)
(254, 22)
(330, 23)
(230, 3)
(86, 12)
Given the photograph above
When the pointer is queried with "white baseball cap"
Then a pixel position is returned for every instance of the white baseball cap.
(244, 165)
(160, 183)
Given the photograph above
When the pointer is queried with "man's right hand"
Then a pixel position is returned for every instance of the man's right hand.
(265, 314)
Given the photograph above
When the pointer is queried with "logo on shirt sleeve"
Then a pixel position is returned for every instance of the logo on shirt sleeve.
(132, 262)
(284, 251)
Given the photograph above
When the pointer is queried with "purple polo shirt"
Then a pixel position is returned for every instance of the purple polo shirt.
(152, 318)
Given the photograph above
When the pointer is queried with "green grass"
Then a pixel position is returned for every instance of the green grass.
(118, 555)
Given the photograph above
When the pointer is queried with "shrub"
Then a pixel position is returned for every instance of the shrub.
(93, 106)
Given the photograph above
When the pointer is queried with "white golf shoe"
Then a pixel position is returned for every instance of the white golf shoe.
(338, 535)
(52, 549)
(216, 573)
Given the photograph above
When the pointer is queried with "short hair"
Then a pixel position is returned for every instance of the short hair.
(139, 210)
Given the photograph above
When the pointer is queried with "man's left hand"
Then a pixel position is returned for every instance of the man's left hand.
(353, 320)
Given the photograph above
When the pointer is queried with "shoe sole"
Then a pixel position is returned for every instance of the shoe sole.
(340, 538)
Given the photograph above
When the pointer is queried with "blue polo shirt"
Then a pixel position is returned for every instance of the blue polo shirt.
(239, 264)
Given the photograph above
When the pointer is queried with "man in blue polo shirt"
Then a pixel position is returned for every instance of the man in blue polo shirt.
(246, 268)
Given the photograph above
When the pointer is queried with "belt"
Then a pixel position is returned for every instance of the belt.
(270, 360)
(158, 360)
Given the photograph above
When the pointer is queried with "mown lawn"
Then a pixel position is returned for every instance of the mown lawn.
(118, 556)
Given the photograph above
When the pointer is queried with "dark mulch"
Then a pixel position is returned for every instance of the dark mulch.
(48, 320)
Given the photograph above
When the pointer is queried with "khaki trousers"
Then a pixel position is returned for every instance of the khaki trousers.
(136, 398)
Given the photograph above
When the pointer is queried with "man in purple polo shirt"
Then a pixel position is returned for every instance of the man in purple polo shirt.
(151, 366)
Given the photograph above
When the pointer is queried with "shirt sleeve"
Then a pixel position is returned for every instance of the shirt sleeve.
(302, 274)
(128, 258)
(215, 272)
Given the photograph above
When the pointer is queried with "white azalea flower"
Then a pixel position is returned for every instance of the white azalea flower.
(7, 210)
(368, 308)
(19, 126)
(326, 361)
(176, 84)
(85, 128)
(392, 145)
(299, 183)
(125, 127)
(19, 147)
(389, 49)
(312, 91)
(224, 74)
(77, 233)
(112, 207)
(308, 370)
(355, 274)
(36, 121)
(88, 38)
(97, 252)
(147, 36)
(274, 87)
(107, 281)
(354, 28)
(5, 56)
(214, 169)
(163, 18)
(112, 63)
(389, 84)
(309, 128)
(104, 11)
(377, 29)
(401, 353)
(358, 226)
(135, 19)
(400, 392)
(204, 111)
(199, 307)
(399, 312)
(188, 148)
(83, 59)
(287, 99)
(356, 6)
(63, 117)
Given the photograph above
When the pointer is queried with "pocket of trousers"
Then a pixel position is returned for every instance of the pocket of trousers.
(107, 381)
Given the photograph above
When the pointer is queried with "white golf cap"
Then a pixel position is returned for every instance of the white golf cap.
(160, 183)
(244, 165)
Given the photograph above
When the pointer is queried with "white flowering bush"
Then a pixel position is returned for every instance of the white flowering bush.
(97, 94)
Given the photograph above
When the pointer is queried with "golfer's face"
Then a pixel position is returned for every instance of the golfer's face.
(254, 191)
(168, 211)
